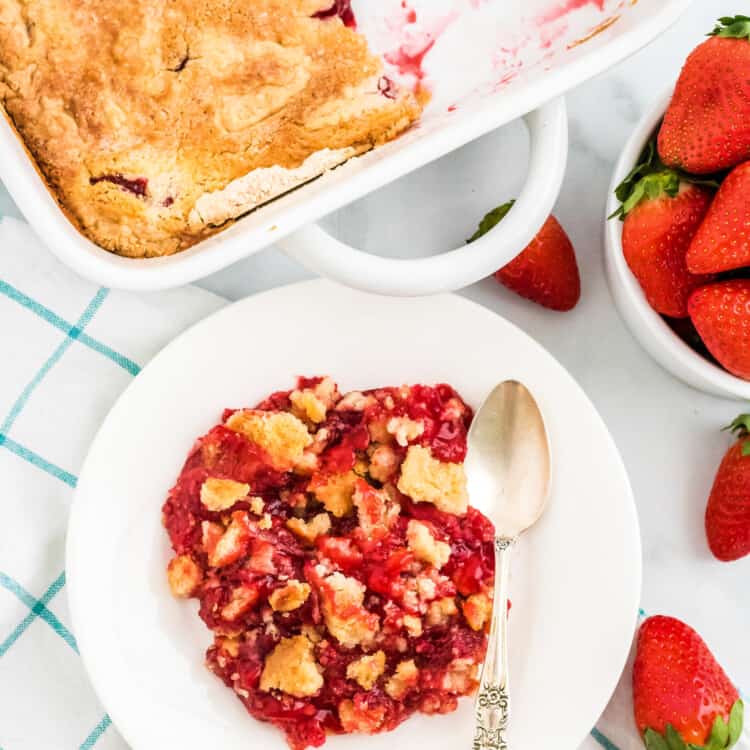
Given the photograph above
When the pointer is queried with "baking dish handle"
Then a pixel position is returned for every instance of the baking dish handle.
(318, 251)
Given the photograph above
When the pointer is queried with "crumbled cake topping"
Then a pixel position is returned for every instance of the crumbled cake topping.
(439, 611)
(232, 543)
(313, 403)
(355, 401)
(335, 492)
(404, 430)
(477, 610)
(338, 602)
(383, 463)
(461, 676)
(375, 509)
(367, 669)
(183, 576)
(413, 625)
(403, 679)
(221, 494)
(289, 597)
(282, 435)
(345, 617)
(357, 716)
(428, 480)
(291, 668)
(243, 597)
(425, 546)
(312, 529)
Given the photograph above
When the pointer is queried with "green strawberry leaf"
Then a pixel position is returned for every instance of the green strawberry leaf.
(649, 187)
(654, 741)
(719, 736)
(736, 717)
(723, 735)
(674, 741)
(741, 428)
(732, 27)
(491, 220)
(648, 162)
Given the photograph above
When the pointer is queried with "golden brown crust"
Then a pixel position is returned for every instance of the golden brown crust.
(170, 99)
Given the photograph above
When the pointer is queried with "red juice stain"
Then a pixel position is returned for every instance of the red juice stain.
(567, 6)
(452, 108)
(342, 9)
(411, 14)
(408, 62)
(409, 56)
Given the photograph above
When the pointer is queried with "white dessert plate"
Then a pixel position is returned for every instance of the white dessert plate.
(576, 580)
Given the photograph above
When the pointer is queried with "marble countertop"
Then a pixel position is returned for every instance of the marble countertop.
(668, 434)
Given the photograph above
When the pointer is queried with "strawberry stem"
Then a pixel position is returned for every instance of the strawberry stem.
(741, 428)
(732, 27)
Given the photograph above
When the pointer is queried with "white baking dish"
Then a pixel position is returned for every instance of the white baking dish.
(492, 61)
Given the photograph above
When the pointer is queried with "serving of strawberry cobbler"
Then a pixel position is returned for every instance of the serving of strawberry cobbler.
(330, 543)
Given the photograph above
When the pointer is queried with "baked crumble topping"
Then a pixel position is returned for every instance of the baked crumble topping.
(155, 123)
(338, 601)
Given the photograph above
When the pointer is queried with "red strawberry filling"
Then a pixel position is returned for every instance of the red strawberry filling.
(338, 601)
(137, 185)
(342, 9)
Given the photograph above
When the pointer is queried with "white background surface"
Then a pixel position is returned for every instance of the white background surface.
(667, 433)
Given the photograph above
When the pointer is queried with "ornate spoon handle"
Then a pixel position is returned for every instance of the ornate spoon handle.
(492, 700)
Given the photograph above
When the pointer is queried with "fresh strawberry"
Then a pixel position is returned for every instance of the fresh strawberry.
(721, 314)
(682, 698)
(728, 509)
(661, 212)
(546, 271)
(707, 125)
(722, 243)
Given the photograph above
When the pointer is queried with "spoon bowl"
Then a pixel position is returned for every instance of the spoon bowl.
(508, 462)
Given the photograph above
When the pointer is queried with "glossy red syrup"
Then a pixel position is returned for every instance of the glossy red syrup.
(387, 88)
(342, 9)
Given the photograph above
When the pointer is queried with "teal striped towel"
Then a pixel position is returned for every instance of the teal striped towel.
(69, 348)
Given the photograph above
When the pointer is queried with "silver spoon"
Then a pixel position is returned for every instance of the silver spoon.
(508, 471)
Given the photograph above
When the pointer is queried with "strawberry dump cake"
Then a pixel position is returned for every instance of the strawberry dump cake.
(330, 543)
(157, 122)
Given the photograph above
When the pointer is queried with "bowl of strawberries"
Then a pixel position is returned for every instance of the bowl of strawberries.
(678, 231)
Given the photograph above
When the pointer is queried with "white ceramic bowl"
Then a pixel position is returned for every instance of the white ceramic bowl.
(648, 327)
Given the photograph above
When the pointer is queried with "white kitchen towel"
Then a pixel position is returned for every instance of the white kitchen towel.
(68, 349)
